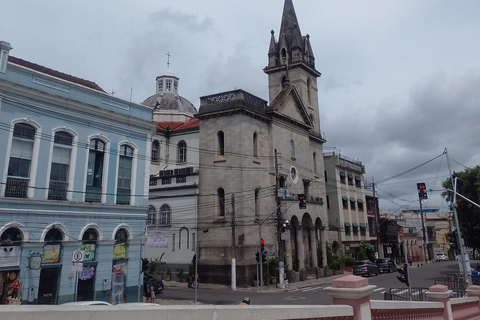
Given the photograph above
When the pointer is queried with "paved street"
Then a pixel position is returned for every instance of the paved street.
(303, 292)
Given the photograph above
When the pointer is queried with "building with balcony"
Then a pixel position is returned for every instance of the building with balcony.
(73, 190)
(346, 203)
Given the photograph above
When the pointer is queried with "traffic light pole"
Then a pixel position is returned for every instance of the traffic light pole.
(425, 245)
(466, 276)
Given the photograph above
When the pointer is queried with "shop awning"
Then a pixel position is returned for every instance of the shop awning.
(345, 198)
(342, 174)
(353, 199)
(357, 178)
(347, 225)
(350, 176)
(362, 225)
(355, 225)
(368, 246)
(359, 200)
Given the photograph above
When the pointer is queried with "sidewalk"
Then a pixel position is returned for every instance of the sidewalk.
(311, 281)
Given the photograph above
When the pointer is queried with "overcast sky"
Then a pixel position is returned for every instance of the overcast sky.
(400, 79)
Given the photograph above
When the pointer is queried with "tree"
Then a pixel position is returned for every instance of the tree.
(468, 185)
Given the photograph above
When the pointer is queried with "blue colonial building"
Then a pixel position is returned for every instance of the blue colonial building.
(74, 187)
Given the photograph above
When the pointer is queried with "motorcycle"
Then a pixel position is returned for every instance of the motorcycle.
(193, 281)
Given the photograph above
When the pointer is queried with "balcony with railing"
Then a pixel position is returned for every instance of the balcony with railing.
(93, 194)
(57, 190)
(123, 196)
(16, 187)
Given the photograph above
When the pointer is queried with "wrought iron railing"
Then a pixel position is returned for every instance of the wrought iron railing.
(16, 187)
(57, 190)
(123, 196)
(405, 294)
(93, 194)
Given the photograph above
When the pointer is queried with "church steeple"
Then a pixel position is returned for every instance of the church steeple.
(291, 63)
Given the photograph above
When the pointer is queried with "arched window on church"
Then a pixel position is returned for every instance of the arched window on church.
(184, 238)
(292, 148)
(221, 201)
(255, 145)
(284, 56)
(309, 97)
(220, 143)
(182, 152)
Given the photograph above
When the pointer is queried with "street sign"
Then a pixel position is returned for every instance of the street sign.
(77, 256)
(271, 254)
(77, 266)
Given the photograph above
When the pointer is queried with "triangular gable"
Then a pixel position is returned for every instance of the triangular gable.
(289, 105)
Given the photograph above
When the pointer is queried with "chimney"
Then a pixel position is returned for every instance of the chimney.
(4, 49)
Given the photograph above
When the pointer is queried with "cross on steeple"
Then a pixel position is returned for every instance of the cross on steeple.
(168, 60)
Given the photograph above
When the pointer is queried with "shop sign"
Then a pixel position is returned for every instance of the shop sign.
(86, 273)
(119, 250)
(158, 240)
(51, 253)
(35, 261)
(9, 256)
(88, 251)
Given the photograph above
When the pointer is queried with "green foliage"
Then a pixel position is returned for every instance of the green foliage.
(349, 260)
(334, 262)
(468, 185)
(156, 265)
(168, 271)
(273, 266)
(362, 251)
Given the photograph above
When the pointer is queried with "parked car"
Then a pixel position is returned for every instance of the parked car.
(364, 268)
(86, 303)
(157, 284)
(441, 257)
(385, 265)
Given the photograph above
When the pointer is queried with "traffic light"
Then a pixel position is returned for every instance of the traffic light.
(422, 190)
(301, 201)
(257, 256)
(404, 275)
(264, 258)
(452, 239)
(262, 246)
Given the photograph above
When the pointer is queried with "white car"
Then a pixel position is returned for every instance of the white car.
(87, 303)
(441, 257)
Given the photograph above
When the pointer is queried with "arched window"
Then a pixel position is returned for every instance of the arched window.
(54, 235)
(292, 148)
(60, 167)
(221, 201)
(124, 177)
(11, 236)
(121, 236)
(96, 157)
(155, 152)
(184, 237)
(309, 97)
(20, 161)
(284, 56)
(151, 216)
(182, 152)
(257, 202)
(165, 214)
(220, 143)
(255, 145)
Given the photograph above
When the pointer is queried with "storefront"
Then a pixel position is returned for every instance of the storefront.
(119, 267)
(10, 250)
(51, 267)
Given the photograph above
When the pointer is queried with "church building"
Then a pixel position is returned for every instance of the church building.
(257, 158)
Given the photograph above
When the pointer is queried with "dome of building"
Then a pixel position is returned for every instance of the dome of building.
(166, 103)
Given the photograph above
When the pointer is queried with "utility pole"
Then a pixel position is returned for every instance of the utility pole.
(425, 247)
(377, 222)
(234, 273)
(281, 268)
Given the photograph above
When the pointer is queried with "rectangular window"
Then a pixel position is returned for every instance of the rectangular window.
(342, 177)
(345, 202)
(95, 171)
(353, 201)
(124, 180)
(358, 182)
(168, 85)
(173, 242)
(350, 179)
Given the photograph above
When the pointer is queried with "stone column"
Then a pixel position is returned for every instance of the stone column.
(313, 245)
(288, 252)
(473, 291)
(440, 293)
(353, 291)
(301, 248)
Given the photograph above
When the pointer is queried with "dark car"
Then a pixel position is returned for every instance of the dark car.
(157, 284)
(386, 265)
(364, 268)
